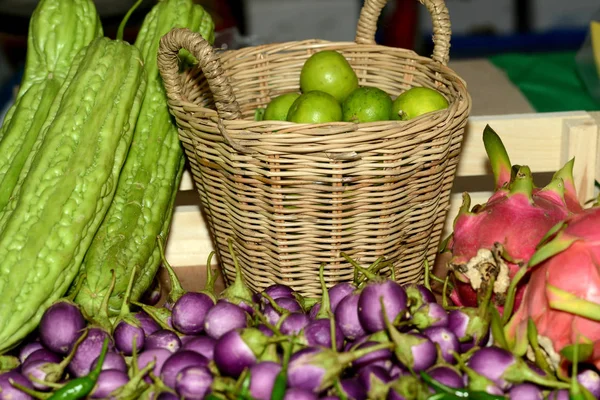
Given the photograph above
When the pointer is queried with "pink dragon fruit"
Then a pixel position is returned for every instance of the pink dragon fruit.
(562, 297)
(500, 236)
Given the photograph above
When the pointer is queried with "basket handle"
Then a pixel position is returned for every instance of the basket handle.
(369, 14)
(210, 64)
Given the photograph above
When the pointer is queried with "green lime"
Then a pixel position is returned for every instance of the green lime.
(278, 107)
(314, 108)
(367, 104)
(329, 72)
(417, 101)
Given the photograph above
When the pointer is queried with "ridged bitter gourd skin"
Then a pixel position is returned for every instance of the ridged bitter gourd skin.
(49, 223)
(143, 204)
(58, 29)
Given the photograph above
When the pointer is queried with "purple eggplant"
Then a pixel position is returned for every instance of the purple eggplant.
(353, 389)
(559, 394)
(370, 310)
(112, 360)
(189, 312)
(316, 368)
(35, 372)
(193, 382)
(590, 379)
(8, 391)
(382, 358)
(299, 394)
(277, 307)
(239, 349)
(89, 350)
(177, 362)
(346, 315)
(374, 380)
(125, 335)
(147, 323)
(446, 340)
(472, 325)
(163, 339)
(275, 291)
(526, 391)
(504, 369)
(29, 348)
(224, 317)
(262, 379)
(338, 292)
(447, 375)
(293, 323)
(108, 381)
(314, 311)
(318, 333)
(153, 293)
(158, 355)
(60, 326)
(418, 296)
(43, 355)
(204, 345)
(429, 315)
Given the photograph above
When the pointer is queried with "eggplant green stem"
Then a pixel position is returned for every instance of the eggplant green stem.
(176, 289)
(511, 294)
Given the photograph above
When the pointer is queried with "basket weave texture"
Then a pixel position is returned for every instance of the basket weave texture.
(292, 196)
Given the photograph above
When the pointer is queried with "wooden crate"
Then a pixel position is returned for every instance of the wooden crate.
(544, 141)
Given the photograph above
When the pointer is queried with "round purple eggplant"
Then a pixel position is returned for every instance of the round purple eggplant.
(382, 357)
(346, 315)
(163, 339)
(204, 345)
(159, 356)
(177, 362)
(61, 326)
(353, 389)
(8, 391)
(27, 349)
(526, 391)
(447, 375)
(42, 355)
(275, 291)
(108, 381)
(370, 307)
(285, 304)
(318, 333)
(237, 350)
(590, 379)
(314, 311)
(338, 292)
(262, 379)
(34, 371)
(189, 312)
(418, 295)
(299, 394)
(89, 350)
(446, 340)
(294, 323)
(429, 315)
(112, 361)
(193, 382)
(372, 375)
(559, 394)
(224, 317)
(147, 323)
(125, 334)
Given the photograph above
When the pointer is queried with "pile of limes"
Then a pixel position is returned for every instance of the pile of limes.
(329, 92)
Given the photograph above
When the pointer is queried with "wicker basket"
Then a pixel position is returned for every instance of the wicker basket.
(293, 196)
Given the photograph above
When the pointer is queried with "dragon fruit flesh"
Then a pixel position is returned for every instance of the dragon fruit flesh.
(498, 237)
(562, 297)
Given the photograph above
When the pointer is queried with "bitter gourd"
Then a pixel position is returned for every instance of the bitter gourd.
(58, 29)
(143, 204)
(49, 222)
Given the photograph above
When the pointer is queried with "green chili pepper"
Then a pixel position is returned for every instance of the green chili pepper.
(81, 387)
(454, 393)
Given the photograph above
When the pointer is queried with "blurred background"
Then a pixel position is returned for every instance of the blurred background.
(538, 51)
